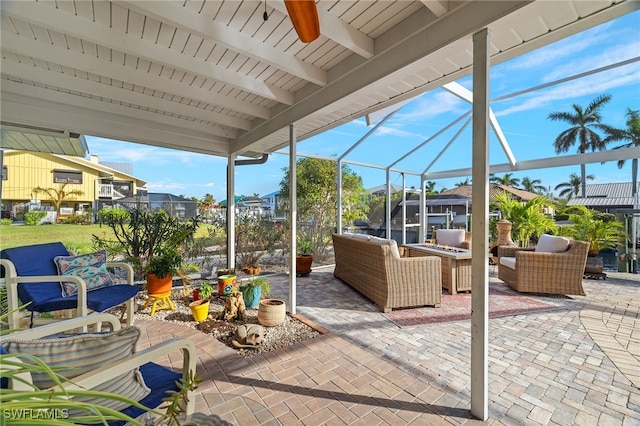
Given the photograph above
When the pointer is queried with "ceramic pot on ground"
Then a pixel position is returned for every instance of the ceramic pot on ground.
(157, 285)
(271, 312)
(227, 284)
(303, 264)
(251, 295)
(199, 309)
(594, 265)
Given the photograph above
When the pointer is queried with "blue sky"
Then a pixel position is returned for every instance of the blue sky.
(523, 120)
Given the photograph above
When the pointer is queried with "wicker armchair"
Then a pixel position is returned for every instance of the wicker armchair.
(544, 272)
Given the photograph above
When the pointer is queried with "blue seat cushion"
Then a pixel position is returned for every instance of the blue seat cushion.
(37, 260)
(160, 380)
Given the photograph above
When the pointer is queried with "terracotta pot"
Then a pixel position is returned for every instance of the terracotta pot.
(303, 264)
(271, 312)
(157, 285)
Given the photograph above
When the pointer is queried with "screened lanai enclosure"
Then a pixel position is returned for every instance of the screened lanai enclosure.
(215, 77)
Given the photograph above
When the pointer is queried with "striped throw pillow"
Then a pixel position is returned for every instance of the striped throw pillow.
(71, 356)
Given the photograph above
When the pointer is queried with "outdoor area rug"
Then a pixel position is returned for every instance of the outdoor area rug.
(458, 307)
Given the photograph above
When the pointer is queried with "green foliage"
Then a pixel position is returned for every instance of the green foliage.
(261, 282)
(165, 262)
(33, 217)
(79, 219)
(205, 290)
(176, 401)
(317, 199)
(601, 230)
(142, 235)
(255, 237)
(528, 219)
(58, 195)
(305, 247)
(6, 221)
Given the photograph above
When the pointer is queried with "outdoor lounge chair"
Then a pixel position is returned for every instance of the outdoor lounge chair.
(33, 279)
(555, 266)
(105, 361)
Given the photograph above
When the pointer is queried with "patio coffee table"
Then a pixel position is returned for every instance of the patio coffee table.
(456, 264)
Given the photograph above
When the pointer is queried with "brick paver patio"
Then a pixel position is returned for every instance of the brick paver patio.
(576, 366)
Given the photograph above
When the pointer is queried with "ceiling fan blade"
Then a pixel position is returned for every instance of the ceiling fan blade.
(304, 17)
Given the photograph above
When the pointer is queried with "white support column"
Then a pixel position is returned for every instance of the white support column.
(422, 233)
(404, 208)
(231, 216)
(293, 217)
(388, 208)
(480, 226)
(339, 189)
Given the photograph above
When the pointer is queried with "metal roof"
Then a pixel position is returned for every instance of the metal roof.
(214, 77)
(606, 195)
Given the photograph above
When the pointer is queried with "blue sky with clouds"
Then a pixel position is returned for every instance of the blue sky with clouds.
(523, 119)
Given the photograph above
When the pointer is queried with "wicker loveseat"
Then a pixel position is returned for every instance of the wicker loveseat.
(373, 267)
(555, 266)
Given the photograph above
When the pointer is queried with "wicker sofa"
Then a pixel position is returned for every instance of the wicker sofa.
(373, 267)
(553, 267)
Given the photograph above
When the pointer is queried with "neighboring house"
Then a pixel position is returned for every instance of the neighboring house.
(270, 206)
(23, 171)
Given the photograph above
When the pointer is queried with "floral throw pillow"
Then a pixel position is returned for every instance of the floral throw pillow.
(92, 268)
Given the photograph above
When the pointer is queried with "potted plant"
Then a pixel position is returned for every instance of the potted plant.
(601, 230)
(253, 290)
(160, 270)
(200, 307)
(304, 258)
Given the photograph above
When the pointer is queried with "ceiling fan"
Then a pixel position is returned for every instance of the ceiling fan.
(304, 17)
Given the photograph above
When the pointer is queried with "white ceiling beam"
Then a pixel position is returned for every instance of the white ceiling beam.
(398, 54)
(547, 163)
(67, 23)
(29, 92)
(438, 7)
(67, 82)
(181, 17)
(80, 61)
(113, 126)
(337, 30)
(465, 94)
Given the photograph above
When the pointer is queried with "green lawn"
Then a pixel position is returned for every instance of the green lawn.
(75, 237)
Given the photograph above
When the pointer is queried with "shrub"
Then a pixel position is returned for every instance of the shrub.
(5, 222)
(33, 218)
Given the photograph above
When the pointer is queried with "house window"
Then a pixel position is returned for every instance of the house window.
(67, 176)
(5, 173)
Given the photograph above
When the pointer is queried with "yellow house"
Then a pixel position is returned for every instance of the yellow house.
(23, 171)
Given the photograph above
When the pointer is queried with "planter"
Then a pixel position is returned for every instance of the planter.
(157, 285)
(595, 265)
(271, 312)
(227, 284)
(199, 309)
(251, 295)
(252, 270)
(303, 264)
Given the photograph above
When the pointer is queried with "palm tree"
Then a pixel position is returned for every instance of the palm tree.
(430, 187)
(506, 180)
(532, 185)
(571, 188)
(528, 219)
(57, 195)
(583, 122)
(463, 183)
(632, 135)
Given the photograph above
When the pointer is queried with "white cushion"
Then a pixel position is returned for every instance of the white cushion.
(509, 262)
(357, 236)
(552, 244)
(394, 249)
(450, 237)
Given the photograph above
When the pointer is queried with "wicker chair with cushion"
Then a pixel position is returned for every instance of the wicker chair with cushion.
(103, 361)
(48, 278)
(451, 238)
(555, 266)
